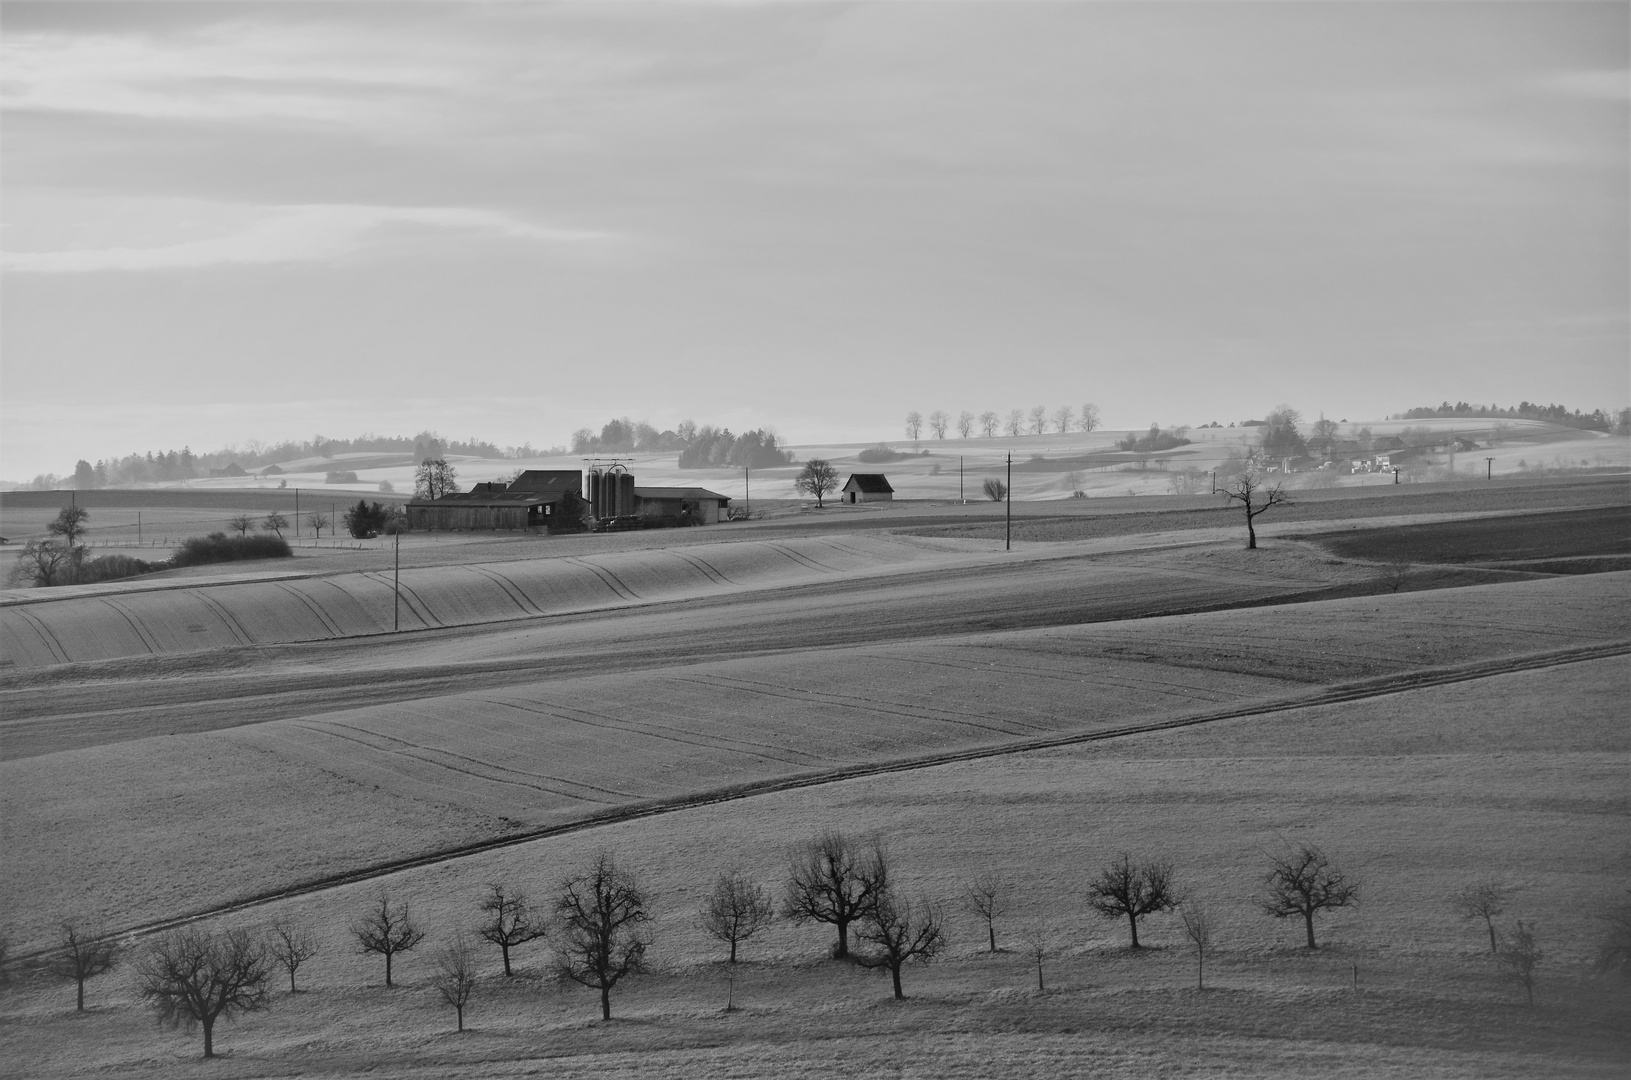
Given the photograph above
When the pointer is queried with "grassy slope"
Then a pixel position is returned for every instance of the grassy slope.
(1418, 792)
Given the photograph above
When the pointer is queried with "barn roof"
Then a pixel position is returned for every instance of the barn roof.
(491, 498)
(679, 493)
(549, 480)
(869, 483)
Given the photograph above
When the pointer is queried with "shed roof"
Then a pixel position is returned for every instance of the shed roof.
(491, 498)
(549, 480)
(679, 493)
(869, 483)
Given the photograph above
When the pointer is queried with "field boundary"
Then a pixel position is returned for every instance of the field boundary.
(1356, 690)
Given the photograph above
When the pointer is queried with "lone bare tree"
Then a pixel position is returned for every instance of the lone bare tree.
(387, 929)
(83, 956)
(434, 478)
(1063, 418)
(1253, 493)
(195, 977)
(601, 914)
(903, 932)
(1132, 890)
(44, 563)
(69, 523)
(243, 523)
(508, 921)
(989, 422)
(987, 898)
(937, 423)
(1396, 571)
(1519, 956)
(835, 880)
(1306, 882)
(914, 425)
(818, 478)
(738, 908)
(1482, 900)
(1015, 424)
(318, 523)
(994, 489)
(1039, 419)
(291, 944)
(455, 977)
(1198, 928)
(965, 423)
(1090, 417)
(1035, 946)
(275, 522)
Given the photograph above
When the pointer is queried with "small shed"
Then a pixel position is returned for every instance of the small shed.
(695, 504)
(867, 487)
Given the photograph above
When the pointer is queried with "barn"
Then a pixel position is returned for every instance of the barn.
(867, 487)
(530, 501)
(693, 505)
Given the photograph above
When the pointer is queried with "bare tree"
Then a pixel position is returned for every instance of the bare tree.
(989, 422)
(1396, 571)
(1063, 417)
(275, 522)
(387, 929)
(291, 944)
(319, 522)
(455, 977)
(738, 908)
(1253, 493)
(1614, 950)
(434, 478)
(82, 956)
(994, 489)
(965, 423)
(1090, 417)
(1133, 890)
(195, 977)
(508, 920)
(69, 523)
(243, 523)
(1481, 900)
(1198, 928)
(987, 897)
(44, 563)
(914, 425)
(1035, 942)
(1306, 882)
(835, 880)
(1519, 956)
(903, 932)
(601, 938)
(1016, 422)
(937, 423)
(1039, 419)
(818, 478)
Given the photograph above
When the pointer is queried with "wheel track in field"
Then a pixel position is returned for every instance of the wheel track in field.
(1341, 693)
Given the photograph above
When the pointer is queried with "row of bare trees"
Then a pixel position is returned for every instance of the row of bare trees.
(598, 925)
(1037, 421)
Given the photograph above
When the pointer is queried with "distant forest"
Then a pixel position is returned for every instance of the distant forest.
(183, 464)
(703, 447)
(1596, 420)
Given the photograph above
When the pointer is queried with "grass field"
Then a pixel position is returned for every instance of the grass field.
(702, 701)
(1556, 535)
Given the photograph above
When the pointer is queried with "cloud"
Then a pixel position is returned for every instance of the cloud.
(295, 234)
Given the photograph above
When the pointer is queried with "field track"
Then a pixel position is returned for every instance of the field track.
(1350, 691)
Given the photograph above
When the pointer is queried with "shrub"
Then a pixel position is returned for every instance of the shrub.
(338, 476)
(872, 455)
(219, 547)
(112, 567)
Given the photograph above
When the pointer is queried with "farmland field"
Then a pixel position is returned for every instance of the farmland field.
(701, 700)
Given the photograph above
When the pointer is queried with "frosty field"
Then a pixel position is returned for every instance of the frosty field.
(702, 701)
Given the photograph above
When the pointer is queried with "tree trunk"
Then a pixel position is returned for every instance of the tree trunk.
(894, 971)
(843, 941)
(209, 1036)
(1132, 920)
(1493, 949)
(605, 1003)
(733, 950)
(991, 929)
(1308, 918)
(291, 980)
(1200, 970)
(460, 1010)
(504, 947)
(387, 969)
(81, 1006)
(1039, 985)
(1251, 533)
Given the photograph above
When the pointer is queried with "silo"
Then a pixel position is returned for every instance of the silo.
(608, 495)
(625, 494)
(591, 491)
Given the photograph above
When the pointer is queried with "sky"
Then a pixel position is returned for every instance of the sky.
(230, 221)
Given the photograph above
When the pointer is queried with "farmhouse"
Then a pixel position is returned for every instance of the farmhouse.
(559, 499)
(867, 487)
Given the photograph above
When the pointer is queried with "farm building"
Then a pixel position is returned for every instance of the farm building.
(867, 487)
(533, 500)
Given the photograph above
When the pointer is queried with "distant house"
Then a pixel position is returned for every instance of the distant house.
(1387, 442)
(694, 504)
(867, 487)
(233, 469)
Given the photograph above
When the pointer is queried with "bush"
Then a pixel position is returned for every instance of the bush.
(219, 547)
(113, 567)
(340, 477)
(882, 452)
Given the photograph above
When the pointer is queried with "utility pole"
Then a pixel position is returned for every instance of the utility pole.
(1214, 481)
(1008, 509)
(396, 587)
(297, 513)
(1395, 474)
(960, 496)
(1489, 468)
(138, 528)
(747, 493)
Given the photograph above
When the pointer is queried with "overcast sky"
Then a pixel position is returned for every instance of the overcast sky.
(510, 220)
